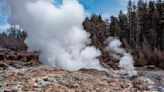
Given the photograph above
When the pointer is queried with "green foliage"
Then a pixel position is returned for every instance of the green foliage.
(141, 30)
(142, 27)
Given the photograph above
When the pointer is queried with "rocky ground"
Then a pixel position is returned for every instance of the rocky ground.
(31, 76)
(48, 79)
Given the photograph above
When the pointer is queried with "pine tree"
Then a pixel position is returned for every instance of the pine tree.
(123, 25)
(114, 27)
(130, 7)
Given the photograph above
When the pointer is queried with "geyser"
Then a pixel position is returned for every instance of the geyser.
(126, 60)
(56, 31)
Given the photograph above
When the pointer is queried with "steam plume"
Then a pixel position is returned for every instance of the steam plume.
(56, 31)
(126, 61)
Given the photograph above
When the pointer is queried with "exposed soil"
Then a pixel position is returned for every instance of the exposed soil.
(26, 74)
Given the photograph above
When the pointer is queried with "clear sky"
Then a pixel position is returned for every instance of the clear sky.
(104, 7)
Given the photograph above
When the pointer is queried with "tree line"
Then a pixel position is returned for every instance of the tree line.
(13, 38)
(141, 30)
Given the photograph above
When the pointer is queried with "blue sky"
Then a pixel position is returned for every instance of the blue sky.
(104, 7)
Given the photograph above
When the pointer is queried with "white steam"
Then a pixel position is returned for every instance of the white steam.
(56, 32)
(126, 61)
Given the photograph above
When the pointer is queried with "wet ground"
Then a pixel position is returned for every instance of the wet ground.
(156, 76)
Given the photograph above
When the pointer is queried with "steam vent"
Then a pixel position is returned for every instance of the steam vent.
(81, 46)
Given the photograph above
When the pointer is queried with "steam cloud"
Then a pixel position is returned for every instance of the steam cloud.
(126, 61)
(56, 32)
